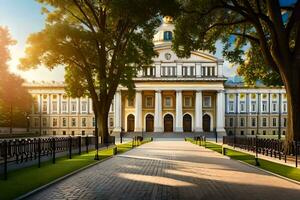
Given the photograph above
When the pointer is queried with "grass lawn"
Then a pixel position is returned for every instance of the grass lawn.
(283, 170)
(27, 179)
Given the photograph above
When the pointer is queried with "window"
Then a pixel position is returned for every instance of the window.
(264, 132)
(207, 101)
(73, 133)
(242, 106)
(242, 132)
(82, 132)
(252, 132)
(45, 107)
(253, 106)
(242, 122)
(73, 122)
(253, 121)
(130, 102)
(73, 106)
(83, 122)
(231, 106)
(168, 102)
(284, 122)
(283, 132)
(188, 71)
(284, 107)
(149, 101)
(264, 106)
(231, 122)
(168, 71)
(111, 122)
(264, 122)
(187, 101)
(84, 107)
(274, 107)
(149, 71)
(274, 132)
(64, 132)
(54, 122)
(54, 106)
(168, 36)
(64, 122)
(54, 132)
(94, 122)
(36, 122)
(64, 107)
(274, 122)
(44, 122)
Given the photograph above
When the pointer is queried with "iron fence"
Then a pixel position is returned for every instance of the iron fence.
(268, 147)
(16, 152)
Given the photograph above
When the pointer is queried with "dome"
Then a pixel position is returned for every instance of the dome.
(165, 31)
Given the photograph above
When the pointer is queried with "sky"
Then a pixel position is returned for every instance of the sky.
(23, 17)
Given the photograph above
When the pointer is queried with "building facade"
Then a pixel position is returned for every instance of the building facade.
(172, 95)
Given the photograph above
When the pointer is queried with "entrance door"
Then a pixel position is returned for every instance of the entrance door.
(206, 123)
(149, 123)
(130, 123)
(168, 123)
(187, 123)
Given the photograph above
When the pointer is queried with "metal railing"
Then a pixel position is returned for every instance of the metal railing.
(16, 152)
(268, 147)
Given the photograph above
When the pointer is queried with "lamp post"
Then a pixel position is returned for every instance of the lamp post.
(28, 123)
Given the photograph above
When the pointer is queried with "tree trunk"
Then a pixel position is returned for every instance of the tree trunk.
(292, 86)
(102, 122)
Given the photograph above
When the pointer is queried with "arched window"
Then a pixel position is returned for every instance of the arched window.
(168, 36)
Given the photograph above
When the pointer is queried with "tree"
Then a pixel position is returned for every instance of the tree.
(15, 100)
(101, 44)
(268, 28)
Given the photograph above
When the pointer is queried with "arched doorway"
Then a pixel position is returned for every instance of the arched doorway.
(149, 123)
(187, 123)
(206, 123)
(168, 123)
(130, 123)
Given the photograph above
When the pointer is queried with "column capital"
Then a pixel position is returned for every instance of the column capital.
(178, 90)
(157, 91)
(199, 91)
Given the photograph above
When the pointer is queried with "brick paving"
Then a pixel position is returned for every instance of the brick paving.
(171, 170)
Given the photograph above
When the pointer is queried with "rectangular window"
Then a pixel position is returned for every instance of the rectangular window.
(73, 122)
(242, 132)
(274, 122)
(274, 132)
(264, 122)
(168, 102)
(64, 122)
(187, 101)
(82, 132)
(253, 106)
(111, 122)
(284, 107)
(149, 101)
(44, 106)
(284, 122)
(54, 122)
(44, 122)
(73, 107)
(64, 133)
(64, 107)
(83, 122)
(252, 132)
(274, 107)
(36, 122)
(231, 106)
(84, 107)
(207, 101)
(242, 106)
(264, 106)
(242, 122)
(264, 132)
(253, 121)
(54, 107)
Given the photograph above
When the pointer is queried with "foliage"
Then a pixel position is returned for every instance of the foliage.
(14, 98)
(101, 44)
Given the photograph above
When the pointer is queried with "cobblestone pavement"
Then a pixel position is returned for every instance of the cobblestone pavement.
(171, 170)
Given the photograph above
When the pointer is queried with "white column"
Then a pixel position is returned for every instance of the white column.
(178, 124)
(158, 112)
(118, 111)
(138, 112)
(198, 111)
(220, 112)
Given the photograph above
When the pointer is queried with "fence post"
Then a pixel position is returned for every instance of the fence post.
(5, 158)
(87, 144)
(53, 150)
(79, 145)
(70, 147)
(39, 152)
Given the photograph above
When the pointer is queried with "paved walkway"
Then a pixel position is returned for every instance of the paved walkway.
(171, 170)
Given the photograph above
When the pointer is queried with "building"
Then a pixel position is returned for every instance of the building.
(173, 95)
